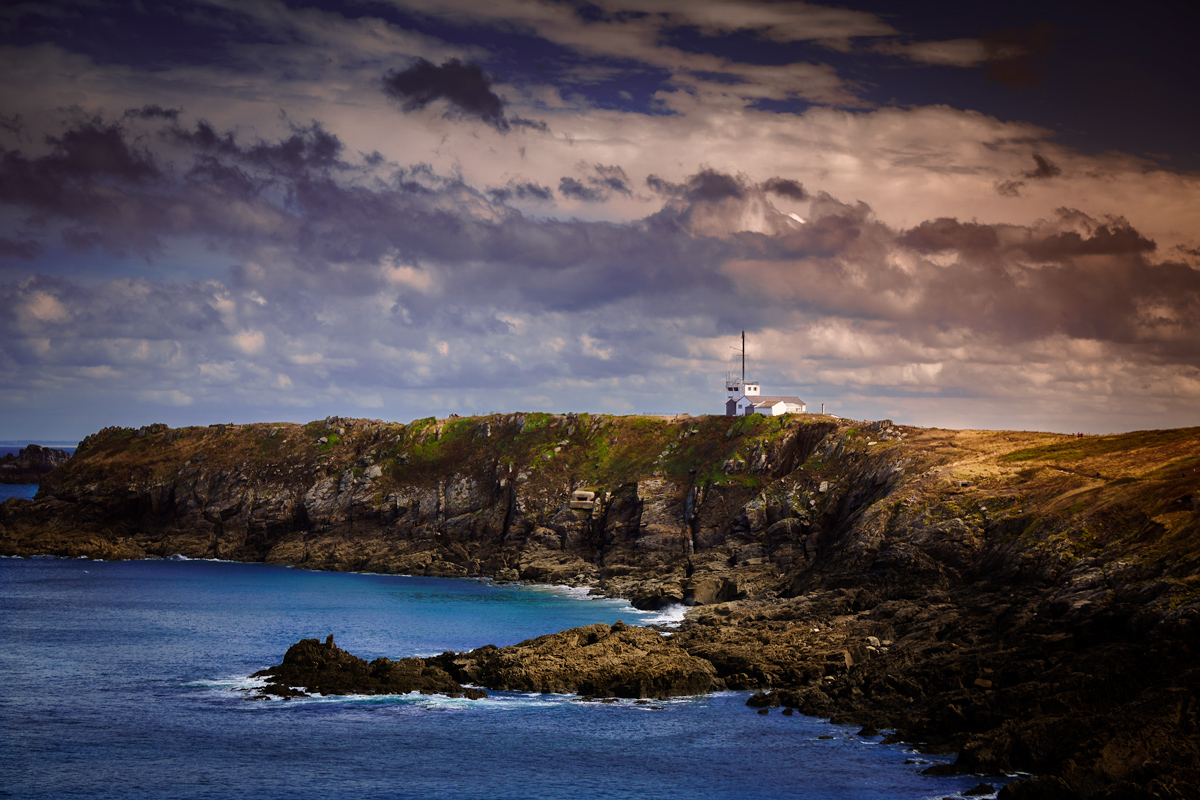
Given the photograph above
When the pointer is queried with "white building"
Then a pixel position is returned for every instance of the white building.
(743, 397)
(769, 405)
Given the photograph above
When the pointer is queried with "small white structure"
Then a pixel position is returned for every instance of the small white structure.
(769, 405)
(742, 397)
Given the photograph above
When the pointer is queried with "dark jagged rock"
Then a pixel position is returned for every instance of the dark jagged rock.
(325, 668)
(31, 463)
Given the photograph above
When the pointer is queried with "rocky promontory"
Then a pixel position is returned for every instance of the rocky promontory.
(596, 660)
(324, 668)
(31, 463)
(1030, 601)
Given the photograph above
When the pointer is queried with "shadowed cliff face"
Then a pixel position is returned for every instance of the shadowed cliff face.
(687, 498)
(695, 510)
(1029, 600)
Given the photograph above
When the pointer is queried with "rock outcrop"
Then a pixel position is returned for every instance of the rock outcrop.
(596, 660)
(1029, 601)
(324, 668)
(31, 463)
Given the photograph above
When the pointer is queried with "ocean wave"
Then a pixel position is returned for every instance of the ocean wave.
(670, 616)
(576, 592)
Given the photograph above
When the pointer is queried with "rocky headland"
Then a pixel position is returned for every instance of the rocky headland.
(1026, 600)
(31, 463)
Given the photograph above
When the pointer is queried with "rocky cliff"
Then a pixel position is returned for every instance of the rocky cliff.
(1027, 600)
(31, 463)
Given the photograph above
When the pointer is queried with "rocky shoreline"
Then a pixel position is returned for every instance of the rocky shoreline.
(1027, 601)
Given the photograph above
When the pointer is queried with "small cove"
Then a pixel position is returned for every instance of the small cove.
(122, 680)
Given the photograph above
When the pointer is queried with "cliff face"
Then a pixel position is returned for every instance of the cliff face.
(491, 496)
(1027, 599)
(695, 510)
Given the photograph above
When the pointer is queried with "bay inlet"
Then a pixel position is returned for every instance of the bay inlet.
(127, 679)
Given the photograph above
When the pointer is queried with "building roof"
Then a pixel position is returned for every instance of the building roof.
(772, 399)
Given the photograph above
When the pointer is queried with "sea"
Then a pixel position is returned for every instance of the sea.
(129, 680)
(24, 491)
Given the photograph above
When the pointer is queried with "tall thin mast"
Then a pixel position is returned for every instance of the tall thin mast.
(743, 357)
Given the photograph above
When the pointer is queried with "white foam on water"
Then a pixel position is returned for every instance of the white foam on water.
(670, 616)
(233, 682)
(577, 592)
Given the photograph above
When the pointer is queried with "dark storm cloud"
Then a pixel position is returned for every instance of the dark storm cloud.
(308, 149)
(1106, 240)
(663, 187)
(26, 249)
(570, 187)
(783, 187)
(709, 185)
(106, 190)
(94, 176)
(303, 225)
(521, 190)
(205, 137)
(153, 111)
(946, 233)
(531, 124)
(603, 182)
(463, 86)
(85, 153)
(1043, 168)
(12, 123)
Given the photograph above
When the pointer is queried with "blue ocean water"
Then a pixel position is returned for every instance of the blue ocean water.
(25, 491)
(126, 680)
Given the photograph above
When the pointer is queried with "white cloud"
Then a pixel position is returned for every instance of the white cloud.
(249, 342)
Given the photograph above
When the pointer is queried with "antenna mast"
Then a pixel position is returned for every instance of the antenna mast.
(743, 356)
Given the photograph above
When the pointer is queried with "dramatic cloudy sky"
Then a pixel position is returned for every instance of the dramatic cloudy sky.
(220, 211)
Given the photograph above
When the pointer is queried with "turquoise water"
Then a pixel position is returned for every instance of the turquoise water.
(126, 679)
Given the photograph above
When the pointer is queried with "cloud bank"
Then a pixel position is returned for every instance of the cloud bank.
(193, 243)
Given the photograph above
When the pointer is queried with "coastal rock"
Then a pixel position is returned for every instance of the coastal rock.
(31, 463)
(325, 668)
(596, 660)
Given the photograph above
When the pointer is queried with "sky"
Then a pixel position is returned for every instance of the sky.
(275, 210)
